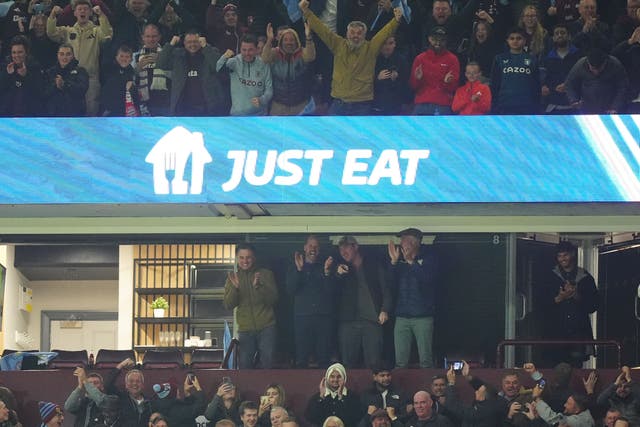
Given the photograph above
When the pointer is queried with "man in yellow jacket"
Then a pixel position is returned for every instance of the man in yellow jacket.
(253, 291)
(354, 61)
(86, 38)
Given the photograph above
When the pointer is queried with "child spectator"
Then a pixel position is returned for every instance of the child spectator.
(474, 98)
(119, 97)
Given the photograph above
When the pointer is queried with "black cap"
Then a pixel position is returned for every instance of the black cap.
(438, 31)
(411, 232)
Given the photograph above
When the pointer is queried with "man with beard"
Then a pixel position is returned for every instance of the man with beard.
(312, 288)
(564, 303)
(290, 70)
(557, 64)
(383, 396)
(434, 77)
(622, 396)
(354, 61)
(576, 412)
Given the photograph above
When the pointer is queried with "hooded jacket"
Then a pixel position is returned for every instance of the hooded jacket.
(290, 72)
(248, 80)
(344, 405)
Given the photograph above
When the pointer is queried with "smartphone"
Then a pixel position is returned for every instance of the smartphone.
(542, 383)
(457, 365)
(191, 377)
(226, 380)
(264, 400)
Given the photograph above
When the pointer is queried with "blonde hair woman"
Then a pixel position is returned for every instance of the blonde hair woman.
(537, 38)
(333, 422)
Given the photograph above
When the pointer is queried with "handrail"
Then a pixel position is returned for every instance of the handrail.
(505, 343)
(232, 346)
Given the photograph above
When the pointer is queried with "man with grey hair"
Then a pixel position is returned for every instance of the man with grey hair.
(413, 270)
(278, 415)
(134, 408)
(364, 304)
(354, 61)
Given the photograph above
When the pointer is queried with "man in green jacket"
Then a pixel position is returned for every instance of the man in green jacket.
(354, 61)
(253, 291)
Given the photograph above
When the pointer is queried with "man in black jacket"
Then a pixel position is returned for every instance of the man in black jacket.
(365, 301)
(66, 84)
(134, 408)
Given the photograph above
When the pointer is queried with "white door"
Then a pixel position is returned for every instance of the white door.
(91, 336)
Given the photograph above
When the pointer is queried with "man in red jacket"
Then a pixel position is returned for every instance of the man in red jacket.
(474, 98)
(434, 76)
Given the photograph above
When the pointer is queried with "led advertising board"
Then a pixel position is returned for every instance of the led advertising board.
(320, 160)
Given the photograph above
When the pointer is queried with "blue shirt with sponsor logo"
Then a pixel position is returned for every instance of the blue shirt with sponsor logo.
(515, 84)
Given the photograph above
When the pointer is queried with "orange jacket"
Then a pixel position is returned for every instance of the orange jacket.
(462, 103)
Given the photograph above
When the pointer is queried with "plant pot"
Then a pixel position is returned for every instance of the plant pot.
(158, 312)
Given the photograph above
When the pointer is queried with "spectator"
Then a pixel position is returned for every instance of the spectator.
(381, 12)
(626, 24)
(276, 416)
(382, 418)
(152, 82)
(334, 399)
(158, 420)
(8, 417)
(483, 49)
(195, 89)
(129, 19)
(537, 42)
(589, 31)
(413, 271)
(172, 19)
(15, 23)
(515, 79)
(576, 412)
(383, 396)
(222, 27)
(86, 40)
(622, 396)
(251, 84)
(290, 70)
(120, 96)
(253, 291)
(333, 422)
(390, 89)
(86, 399)
(134, 407)
(179, 412)
(313, 290)
(628, 52)
(273, 397)
(21, 82)
(224, 405)
(597, 84)
(484, 411)
(557, 65)
(611, 417)
(289, 422)
(365, 301)
(248, 414)
(474, 98)
(50, 414)
(456, 25)
(438, 389)
(7, 397)
(424, 414)
(566, 300)
(354, 61)
(560, 12)
(43, 48)
(622, 422)
(225, 423)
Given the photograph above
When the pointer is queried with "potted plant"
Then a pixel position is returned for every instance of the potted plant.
(159, 306)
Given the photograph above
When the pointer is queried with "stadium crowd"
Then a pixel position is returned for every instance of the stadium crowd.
(522, 398)
(69, 58)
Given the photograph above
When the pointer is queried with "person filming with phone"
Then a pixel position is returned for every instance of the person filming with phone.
(225, 403)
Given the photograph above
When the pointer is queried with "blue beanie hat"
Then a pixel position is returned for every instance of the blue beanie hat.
(48, 410)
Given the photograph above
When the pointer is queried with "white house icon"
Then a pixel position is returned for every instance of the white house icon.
(170, 154)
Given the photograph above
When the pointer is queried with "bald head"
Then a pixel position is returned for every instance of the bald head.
(423, 405)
